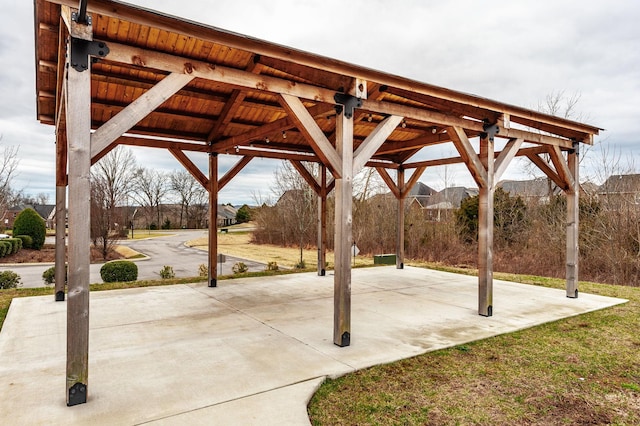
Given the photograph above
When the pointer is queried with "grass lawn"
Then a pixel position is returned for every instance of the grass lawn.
(580, 370)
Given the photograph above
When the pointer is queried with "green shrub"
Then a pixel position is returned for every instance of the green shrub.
(9, 279)
(30, 223)
(49, 276)
(16, 245)
(119, 271)
(272, 266)
(4, 248)
(239, 268)
(167, 272)
(27, 241)
(203, 270)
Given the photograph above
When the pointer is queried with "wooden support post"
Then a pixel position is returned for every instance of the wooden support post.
(213, 220)
(322, 222)
(61, 218)
(573, 221)
(343, 233)
(400, 230)
(78, 112)
(485, 230)
(61, 215)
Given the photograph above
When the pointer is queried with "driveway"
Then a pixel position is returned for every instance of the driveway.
(167, 250)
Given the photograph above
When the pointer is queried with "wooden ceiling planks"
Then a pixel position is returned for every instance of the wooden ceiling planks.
(232, 114)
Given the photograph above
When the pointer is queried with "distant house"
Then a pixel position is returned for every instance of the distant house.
(442, 203)
(534, 190)
(46, 211)
(226, 215)
(621, 189)
(420, 194)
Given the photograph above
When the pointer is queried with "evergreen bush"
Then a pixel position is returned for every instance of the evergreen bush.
(30, 223)
(119, 271)
(9, 279)
(27, 241)
(16, 245)
(239, 268)
(4, 248)
(49, 276)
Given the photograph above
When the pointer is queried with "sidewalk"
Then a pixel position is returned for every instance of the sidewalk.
(251, 351)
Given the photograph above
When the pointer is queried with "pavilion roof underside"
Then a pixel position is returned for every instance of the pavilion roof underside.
(234, 104)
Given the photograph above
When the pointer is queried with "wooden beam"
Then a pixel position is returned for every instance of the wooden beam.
(137, 110)
(374, 141)
(544, 166)
(232, 105)
(389, 181)
(162, 143)
(78, 111)
(311, 181)
(61, 214)
(412, 181)
(485, 230)
(400, 221)
(190, 166)
(224, 180)
(212, 189)
(312, 132)
(561, 168)
(343, 233)
(573, 223)
(471, 159)
(238, 78)
(505, 157)
(322, 222)
(76, 30)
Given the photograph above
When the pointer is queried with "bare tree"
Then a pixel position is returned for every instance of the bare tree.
(8, 166)
(101, 234)
(189, 192)
(115, 174)
(150, 189)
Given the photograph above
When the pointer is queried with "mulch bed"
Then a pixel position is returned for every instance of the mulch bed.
(48, 255)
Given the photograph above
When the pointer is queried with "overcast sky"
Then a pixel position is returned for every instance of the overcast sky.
(516, 52)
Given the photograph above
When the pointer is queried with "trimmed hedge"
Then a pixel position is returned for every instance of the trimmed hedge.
(16, 245)
(49, 276)
(119, 271)
(27, 241)
(29, 222)
(4, 248)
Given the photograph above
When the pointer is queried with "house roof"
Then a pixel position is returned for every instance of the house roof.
(236, 102)
(621, 184)
(532, 188)
(451, 197)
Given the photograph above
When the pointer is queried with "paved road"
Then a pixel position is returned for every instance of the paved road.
(169, 250)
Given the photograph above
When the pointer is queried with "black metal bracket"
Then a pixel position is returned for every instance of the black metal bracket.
(81, 16)
(213, 282)
(490, 130)
(82, 49)
(349, 102)
(575, 147)
(345, 339)
(77, 394)
(60, 296)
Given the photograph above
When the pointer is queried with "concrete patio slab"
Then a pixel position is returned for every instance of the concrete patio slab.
(251, 351)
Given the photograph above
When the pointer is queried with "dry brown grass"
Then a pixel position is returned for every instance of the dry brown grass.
(238, 244)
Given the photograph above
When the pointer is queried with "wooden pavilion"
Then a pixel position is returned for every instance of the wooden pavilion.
(111, 74)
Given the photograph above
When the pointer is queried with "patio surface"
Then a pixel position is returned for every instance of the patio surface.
(251, 351)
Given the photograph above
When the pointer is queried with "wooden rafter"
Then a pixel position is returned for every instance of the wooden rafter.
(505, 157)
(374, 141)
(466, 151)
(314, 135)
(412, 181)
(562, 168)
(190, 166)
(389, 181)
(308, 177)
(232, 172)
(136, 111)
(547, 170)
